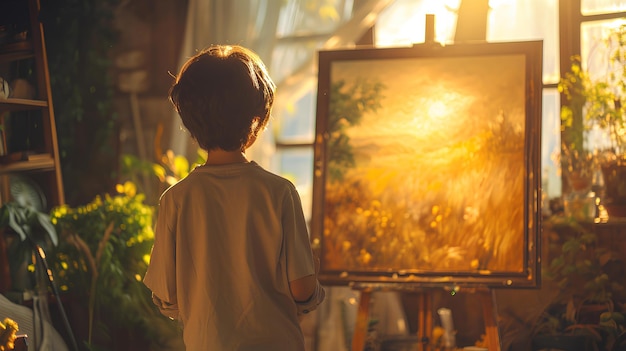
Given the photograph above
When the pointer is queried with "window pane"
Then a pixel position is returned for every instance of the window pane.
(596, 51)
(296, 164)
(593, 7)
(550, 144)
(303, 17)
(296, 122)
(288, 57)
(403, 23)
(509, 21)
(593, 46)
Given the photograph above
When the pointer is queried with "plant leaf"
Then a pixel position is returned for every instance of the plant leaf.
(47, 225)
(14, 223)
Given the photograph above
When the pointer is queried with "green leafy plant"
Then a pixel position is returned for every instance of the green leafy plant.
(27, 222)
(24, 226)
(597, 102)
(100, 261)
(153, 178)
(592, 293)
(583, 264)
(594, 107)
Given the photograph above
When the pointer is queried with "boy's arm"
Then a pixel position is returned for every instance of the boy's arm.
(305, 288)
(307, 291)
(314, 299)
(302, 289)
(160, 276)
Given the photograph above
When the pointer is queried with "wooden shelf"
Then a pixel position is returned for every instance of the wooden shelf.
(29, 52)
(41, 163)
(15, 47)
(16, 51)
(21, 104)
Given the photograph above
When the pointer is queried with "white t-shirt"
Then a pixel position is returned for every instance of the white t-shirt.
(228, 240)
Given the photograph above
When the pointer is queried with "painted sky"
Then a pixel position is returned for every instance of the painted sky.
(439, 99)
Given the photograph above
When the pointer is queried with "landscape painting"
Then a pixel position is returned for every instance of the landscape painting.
(426, 165)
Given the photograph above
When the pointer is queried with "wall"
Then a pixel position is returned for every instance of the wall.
(151, 34)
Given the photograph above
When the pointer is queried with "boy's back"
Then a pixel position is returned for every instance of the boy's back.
(238, 232)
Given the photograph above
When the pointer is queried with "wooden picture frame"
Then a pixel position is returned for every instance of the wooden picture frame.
(427, 165)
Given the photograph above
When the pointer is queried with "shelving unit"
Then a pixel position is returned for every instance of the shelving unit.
(29, 139)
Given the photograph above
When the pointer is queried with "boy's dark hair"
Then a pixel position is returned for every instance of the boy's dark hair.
(224, 97)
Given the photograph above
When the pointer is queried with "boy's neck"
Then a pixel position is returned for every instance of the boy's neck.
(222, 157)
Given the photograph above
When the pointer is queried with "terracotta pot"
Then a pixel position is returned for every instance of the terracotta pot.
(614, 174)
(590, 313)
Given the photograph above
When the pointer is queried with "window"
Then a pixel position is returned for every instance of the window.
(507, 21)
(302, 31)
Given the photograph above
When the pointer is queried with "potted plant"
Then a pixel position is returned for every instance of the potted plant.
(103, 253)
(595, 106)
(591, 304)
(24, 226)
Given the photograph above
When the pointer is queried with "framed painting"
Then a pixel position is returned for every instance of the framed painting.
(427, 165)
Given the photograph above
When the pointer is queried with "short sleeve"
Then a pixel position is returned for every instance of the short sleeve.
(160, 277)
(297, 243)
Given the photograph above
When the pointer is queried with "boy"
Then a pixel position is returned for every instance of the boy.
(231, 258)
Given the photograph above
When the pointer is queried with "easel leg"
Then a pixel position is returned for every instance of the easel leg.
(488, 301)
(362, 320)
(425, 321)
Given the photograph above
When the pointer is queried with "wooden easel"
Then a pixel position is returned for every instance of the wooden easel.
(490, 316)
(425, 316)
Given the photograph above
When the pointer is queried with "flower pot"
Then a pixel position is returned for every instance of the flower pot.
(562, 342)
(590, 313)
(614, 174)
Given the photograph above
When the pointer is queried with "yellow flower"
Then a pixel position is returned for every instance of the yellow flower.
(437, 335)
(346, 245)
(8, 334)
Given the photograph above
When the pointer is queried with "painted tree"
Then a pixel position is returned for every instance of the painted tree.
(348, 104)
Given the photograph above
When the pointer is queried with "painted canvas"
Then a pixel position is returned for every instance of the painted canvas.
(426, 165)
